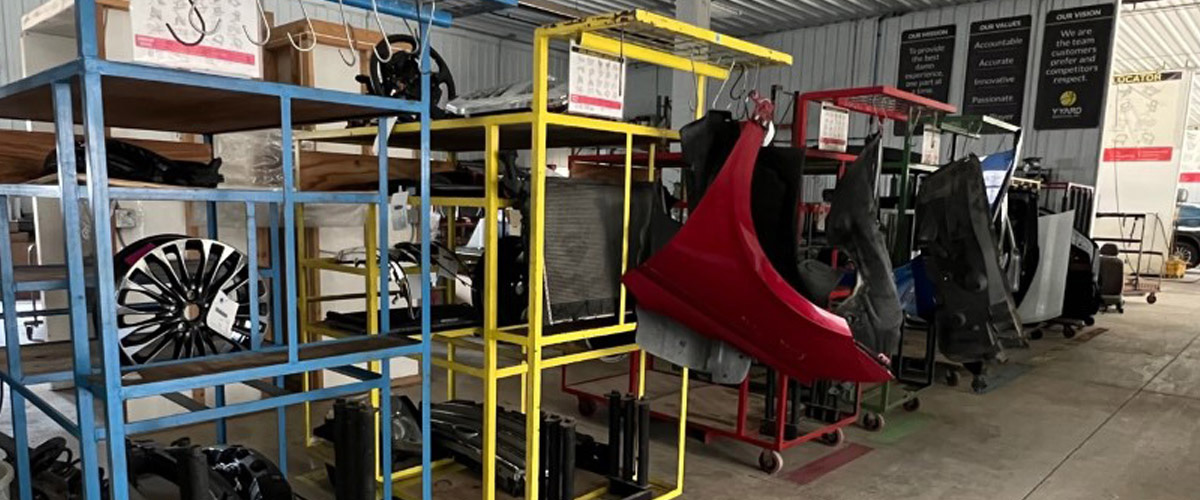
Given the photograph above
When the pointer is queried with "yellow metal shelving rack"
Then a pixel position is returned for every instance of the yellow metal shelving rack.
(636, 35)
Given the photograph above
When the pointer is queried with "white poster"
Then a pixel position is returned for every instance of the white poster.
(208, 38)
(931, 146)
(835, 128)
(1142, 150)
(596, 84)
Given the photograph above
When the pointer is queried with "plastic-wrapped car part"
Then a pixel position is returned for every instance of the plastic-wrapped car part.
(873, 311)
(715, 277)
(954, 233)
(506, 98)
(135, 163)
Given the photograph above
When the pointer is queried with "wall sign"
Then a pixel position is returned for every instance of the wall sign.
(596, 84)
(997, 63)
(226, 50)
(926, 60)
(835, 128)
(1074, 68)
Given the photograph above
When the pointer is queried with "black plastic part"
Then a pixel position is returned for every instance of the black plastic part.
(554, 462)
(193, 477)
(767, 428)
(354, 476)
(614, 434)
(629, 435)
(568, 460)
(643, 464)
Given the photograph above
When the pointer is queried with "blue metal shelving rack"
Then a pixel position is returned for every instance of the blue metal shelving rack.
(145, 97)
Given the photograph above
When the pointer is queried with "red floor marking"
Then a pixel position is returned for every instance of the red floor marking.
(814, 470)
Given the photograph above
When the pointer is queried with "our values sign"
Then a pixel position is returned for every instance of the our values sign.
(926, 61)
(997, 63)
(1075, 59)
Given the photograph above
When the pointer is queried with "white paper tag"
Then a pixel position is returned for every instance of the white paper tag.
(398, 207)
(931, 146)
(835, 128)
(390, 125)
(222, 314)
(224, 49)
(596, 84)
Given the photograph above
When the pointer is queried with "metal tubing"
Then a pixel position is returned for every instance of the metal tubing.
(12, 346)
(210, 219)
(491, 261)
(106, 308)
(537, 240)
(426, 313)
(252, 268)
(276, 315)
(289, 223)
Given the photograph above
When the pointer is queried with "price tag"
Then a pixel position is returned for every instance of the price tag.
(596, 84)
(834, 133)
(224, 49)
(398, 208)
(931, 146)
(222, 314)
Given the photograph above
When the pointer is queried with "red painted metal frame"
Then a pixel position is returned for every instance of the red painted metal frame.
(866, 100)
(739, 433)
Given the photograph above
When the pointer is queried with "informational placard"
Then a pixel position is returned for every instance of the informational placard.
(835, 128)
(931, 146)
(222, 314)
(596, 83)
(1074, 69)
(997, 63)
(1142, 157)
(926, 61)
(224, 49)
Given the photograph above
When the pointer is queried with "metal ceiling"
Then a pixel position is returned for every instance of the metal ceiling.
(735, 17)
(1160, 35)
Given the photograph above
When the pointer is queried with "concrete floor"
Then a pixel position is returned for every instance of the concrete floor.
(1105, 416)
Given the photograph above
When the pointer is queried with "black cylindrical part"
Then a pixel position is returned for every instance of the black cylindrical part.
(643, 464)
(769, 400)
(614, 433)
(554, 460)
(568, 460)
(629, 434)
(543, 476)
(193, 468)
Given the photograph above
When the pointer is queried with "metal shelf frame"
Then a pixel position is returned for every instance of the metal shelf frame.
(95, 365)
(638, 35)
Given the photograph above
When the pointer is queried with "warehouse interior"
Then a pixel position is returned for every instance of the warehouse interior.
(616, 249)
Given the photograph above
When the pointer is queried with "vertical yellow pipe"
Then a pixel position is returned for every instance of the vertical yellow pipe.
(537, 239)
(491, 260)
(302, 312)
(625, 224)
(652, 161)
(451, 385)
(371, 283)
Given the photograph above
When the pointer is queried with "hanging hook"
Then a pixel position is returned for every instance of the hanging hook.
(193, 11)
(262, 13)
(350, 41)
(195, 18)
(724, 82)
(386, 39)
(428, 29)
(312, 31)
(694, 103)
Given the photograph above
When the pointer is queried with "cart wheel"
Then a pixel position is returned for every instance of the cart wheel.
(912, 404)
(952, 378)
(1120, 309)
(978, 385)
(1036, 334)
(770, 461)
(1068, 332)
(587, 407)
(871, 421)
(1152, 298)
(1089, 321)
(833, 438)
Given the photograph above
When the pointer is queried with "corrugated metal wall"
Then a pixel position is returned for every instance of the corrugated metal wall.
(843, 55)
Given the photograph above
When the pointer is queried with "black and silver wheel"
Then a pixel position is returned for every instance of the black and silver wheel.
(871, 421)
(833, 438)
(180, 297)
(770, 461)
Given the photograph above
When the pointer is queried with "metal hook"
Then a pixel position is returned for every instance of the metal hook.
(311, 31)
(194, 11)
(724, 82)
(350, 41)
(194, 15)
(428, 29)
(265, 22)
(386, 39)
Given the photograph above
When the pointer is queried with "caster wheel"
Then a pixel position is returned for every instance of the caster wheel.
(1090, 321)
(912, 405)
(1068, 332)
(1036, 334)
(587, 407)
(871, 421)
(1120, 309)
(978, 385)
(833, 438)
(770, 461)
(1152, 298)
(952, 378)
